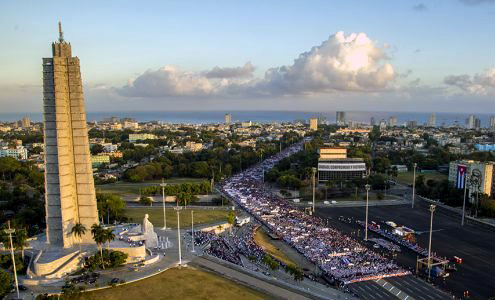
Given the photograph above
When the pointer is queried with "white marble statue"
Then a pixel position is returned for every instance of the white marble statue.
(150, 236)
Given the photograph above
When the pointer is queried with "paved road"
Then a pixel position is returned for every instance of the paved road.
(473, 243)
(370, 290)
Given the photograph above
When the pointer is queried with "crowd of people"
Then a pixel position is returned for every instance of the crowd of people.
(338, 255)
(402, 241)
(231, 247)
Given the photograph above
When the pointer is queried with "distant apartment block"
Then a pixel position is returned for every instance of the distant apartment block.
(340, 118)
(228, 119)
(313, 124)
(460, 171)
(134, 137)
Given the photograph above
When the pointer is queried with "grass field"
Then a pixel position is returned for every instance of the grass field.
(407, 177)
(122, 187)
(182, 284)
(263, 240)
(201, 216)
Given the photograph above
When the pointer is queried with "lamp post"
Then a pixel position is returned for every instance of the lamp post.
(163, 185)
(178, 235)
(314, 187)
(192, 230)
(9, 231)
(414, 185)
(432, 210)
(367, 187)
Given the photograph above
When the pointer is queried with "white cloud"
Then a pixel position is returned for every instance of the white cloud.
(479, 83)
(244, 71)
(341, 63)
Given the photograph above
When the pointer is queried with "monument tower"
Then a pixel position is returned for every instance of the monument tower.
(70, 194)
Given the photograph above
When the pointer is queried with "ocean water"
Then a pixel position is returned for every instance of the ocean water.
(205, 117)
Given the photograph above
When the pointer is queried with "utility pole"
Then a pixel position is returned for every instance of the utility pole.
(432, 210)
(178, 236)
(414, 184)
(367, 187)
(192, 230)
(314, 187)
(163, 185)
(9, 231)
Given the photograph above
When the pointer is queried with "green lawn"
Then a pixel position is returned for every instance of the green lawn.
(201, 216)
(264, 241)
(123, 187)
(184, 283)
(407, 177)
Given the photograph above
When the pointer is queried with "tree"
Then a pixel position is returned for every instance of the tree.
(185, 197)
(99, 237)
(109, 236)
(20, 240)
(78, 230)
(145, 200)
(110, 204)
(5, 283)
(231, 219)
(97, 148)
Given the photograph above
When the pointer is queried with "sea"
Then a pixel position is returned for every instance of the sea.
(210, 117)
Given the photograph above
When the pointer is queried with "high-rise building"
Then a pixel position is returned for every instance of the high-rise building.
(340, 118)
(477, 123)
(392, 121)
(313, 123)
(70, 193)
(26, 122)
(372, 121)
(470, 122)
(432, 121)
(228, 119)
(492, 122)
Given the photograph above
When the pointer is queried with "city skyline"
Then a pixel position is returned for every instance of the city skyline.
(255, 58)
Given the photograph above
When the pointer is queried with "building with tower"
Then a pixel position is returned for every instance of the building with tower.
(70, 193)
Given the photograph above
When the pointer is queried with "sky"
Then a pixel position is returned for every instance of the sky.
(362, 55)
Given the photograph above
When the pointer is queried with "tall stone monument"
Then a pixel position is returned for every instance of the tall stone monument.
(70, 193)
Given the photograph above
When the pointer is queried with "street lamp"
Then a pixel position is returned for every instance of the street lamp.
(432, 210)
(192, 230)
(414, 185)
(367, 187)
(9, 231)
(163, 185)
(178, 234)
(464, 201)
(314, 187)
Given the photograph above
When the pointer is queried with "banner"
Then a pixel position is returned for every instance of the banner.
(461, 176)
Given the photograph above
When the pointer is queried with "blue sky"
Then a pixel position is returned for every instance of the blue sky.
(118, 41)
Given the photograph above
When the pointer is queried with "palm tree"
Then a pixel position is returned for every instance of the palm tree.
(78, 230)
(98, 235)
(109, 236)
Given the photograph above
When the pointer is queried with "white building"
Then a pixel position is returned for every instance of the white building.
(19, 152)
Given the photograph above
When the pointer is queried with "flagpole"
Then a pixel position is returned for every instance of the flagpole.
(464, 202)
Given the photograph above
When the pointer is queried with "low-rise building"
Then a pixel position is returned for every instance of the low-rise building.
(98, 160)
(134, 137)
(333, 164)
(19, 152)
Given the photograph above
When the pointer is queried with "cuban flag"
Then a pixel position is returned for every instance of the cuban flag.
(461, 176)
